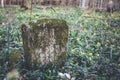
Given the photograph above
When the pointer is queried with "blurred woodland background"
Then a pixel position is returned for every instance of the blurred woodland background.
(85, 4)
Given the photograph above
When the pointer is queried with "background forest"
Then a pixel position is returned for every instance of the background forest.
(93, 46)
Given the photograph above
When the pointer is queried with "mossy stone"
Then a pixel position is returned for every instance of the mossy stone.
(45, 41)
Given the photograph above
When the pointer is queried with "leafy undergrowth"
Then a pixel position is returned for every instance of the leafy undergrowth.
(93, 47)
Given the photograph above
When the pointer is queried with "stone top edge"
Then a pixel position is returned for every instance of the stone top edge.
(50, 22)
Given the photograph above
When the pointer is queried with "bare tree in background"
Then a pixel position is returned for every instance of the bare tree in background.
(2, 3)
(101, 4)
(57, 2)
(26, 4)
(83, 4)
(110, 6)
(63, 2)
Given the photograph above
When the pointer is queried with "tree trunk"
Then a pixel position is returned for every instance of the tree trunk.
(101, 3)
(2, 3)
(63, 2)
(26, 4)
(83, 4)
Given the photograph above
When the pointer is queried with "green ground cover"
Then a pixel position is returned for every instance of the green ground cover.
(93, 47)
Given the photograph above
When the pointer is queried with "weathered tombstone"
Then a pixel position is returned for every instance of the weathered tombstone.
(45, 41)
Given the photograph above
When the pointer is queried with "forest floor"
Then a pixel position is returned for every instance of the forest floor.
(93, 46)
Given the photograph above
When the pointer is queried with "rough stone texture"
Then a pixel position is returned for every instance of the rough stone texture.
(45, 41)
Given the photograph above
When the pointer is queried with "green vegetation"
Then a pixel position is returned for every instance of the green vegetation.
(93, 47)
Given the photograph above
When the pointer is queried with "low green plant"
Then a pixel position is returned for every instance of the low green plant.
(93, 47)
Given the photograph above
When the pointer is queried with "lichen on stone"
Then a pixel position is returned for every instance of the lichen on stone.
(46, 41)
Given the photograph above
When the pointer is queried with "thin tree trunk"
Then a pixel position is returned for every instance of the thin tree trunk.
(26, 4)
(83, 4)
(2, 3)
(50, 3)
(87, 4)
(101, 4)
(10, 2)
(80, 1)
(63, 2)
